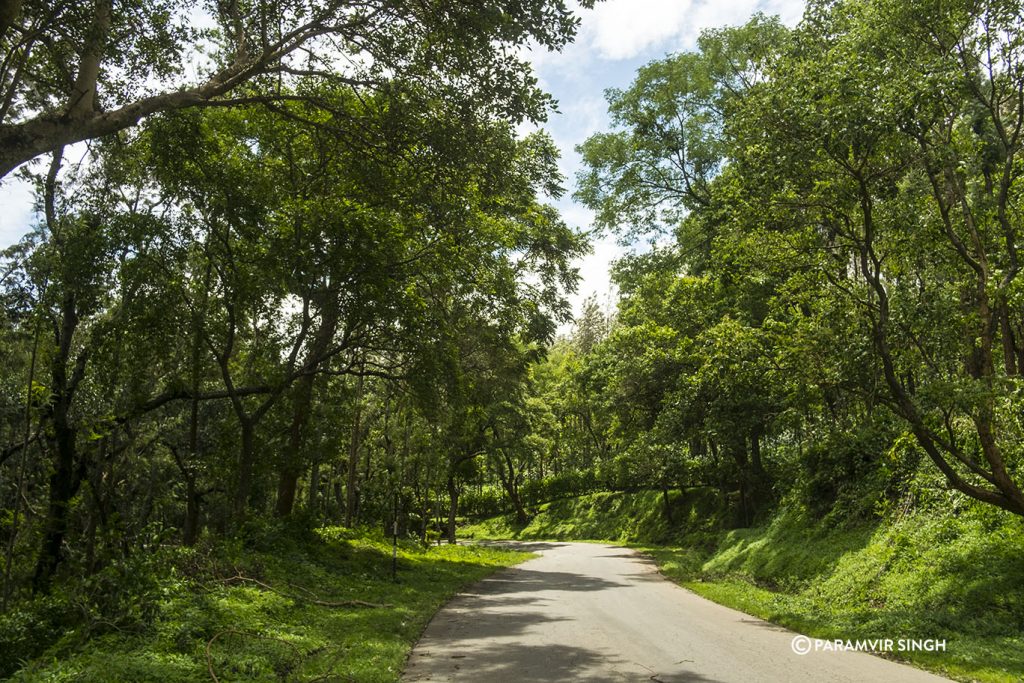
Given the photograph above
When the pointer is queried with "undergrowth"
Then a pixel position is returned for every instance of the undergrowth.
(287, 603)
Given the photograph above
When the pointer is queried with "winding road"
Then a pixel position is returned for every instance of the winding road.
(588, 612)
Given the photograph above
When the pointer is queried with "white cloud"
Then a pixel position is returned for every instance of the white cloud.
(620, 29)
(579, 119)
(624, 29)
(16, 210)
(594, 270)
(790, 11)
(595, 267)
(595, 279)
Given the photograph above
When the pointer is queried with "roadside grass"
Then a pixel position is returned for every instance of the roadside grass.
(957, 576)
(308, 606)
(615, 517)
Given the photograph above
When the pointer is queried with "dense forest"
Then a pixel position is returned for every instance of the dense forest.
(294, 260)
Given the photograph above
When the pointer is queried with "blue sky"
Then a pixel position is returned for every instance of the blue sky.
(615, 39)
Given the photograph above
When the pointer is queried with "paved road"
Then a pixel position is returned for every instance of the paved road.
(586, 612)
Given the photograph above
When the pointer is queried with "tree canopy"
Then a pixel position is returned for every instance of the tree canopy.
(76, 71)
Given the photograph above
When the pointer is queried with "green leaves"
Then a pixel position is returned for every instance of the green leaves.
(843, 193)
(670, 139)
(89, 70)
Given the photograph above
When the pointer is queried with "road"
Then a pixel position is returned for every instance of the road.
(588, 612)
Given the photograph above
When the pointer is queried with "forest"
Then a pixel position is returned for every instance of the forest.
(297, 270)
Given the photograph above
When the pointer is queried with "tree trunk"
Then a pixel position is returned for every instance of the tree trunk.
(424, 517)
(1004, 492)
(508, 482)
(246, 463)
(667, 503)
(339, 499)
(453, 506)
(353, 458)
(190, 531)
(67, 475)
(755, 452)
(294, 456)
(760, 482)
(64, 483)
(738, 449)
(287, 485)
(314, 484)
(83, 95)
(1009, 343)
(291, 467)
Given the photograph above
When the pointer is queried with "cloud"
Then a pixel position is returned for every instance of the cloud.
(16, 210)
(621, 29)
(707, 15)
(595, 278)
(625, 29)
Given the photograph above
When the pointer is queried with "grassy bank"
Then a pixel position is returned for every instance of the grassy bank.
(287, 605)
(620, 517)
(925, 574)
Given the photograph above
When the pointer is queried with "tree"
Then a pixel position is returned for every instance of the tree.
(669, 142)
(921, 180)
(283, 253)
(78, 71)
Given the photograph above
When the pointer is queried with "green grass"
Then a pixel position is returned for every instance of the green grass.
(929, 574)
(616, 517)
(252, 633)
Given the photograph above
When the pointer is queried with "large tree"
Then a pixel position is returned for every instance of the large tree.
(74, 71)
(894, 134)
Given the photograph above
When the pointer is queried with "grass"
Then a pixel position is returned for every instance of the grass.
(615, 517)
(283, 621)
(954, 575)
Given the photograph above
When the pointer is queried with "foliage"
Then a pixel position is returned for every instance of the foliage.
(330, 290)
(835, 208)
(177, 603)
(80, 71)
(272, 283)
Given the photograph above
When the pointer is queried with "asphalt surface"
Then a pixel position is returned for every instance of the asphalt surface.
(587, 612)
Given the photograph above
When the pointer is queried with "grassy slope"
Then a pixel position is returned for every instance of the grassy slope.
(252, 633)
(925, 575)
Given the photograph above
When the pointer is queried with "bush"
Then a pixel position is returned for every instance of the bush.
(486, 501)
(559, 486)
(844, 475)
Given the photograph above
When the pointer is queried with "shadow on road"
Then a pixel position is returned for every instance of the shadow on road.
(521, 546)
(466, 628)
(518, 580)
(536, 664)
(643, 576)
(566, 616)
(491, 601)
(760, 623)
(625, 555)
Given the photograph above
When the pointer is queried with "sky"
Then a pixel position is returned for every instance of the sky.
(615, 39)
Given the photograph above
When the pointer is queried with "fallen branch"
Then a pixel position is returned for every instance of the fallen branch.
(312, 599)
